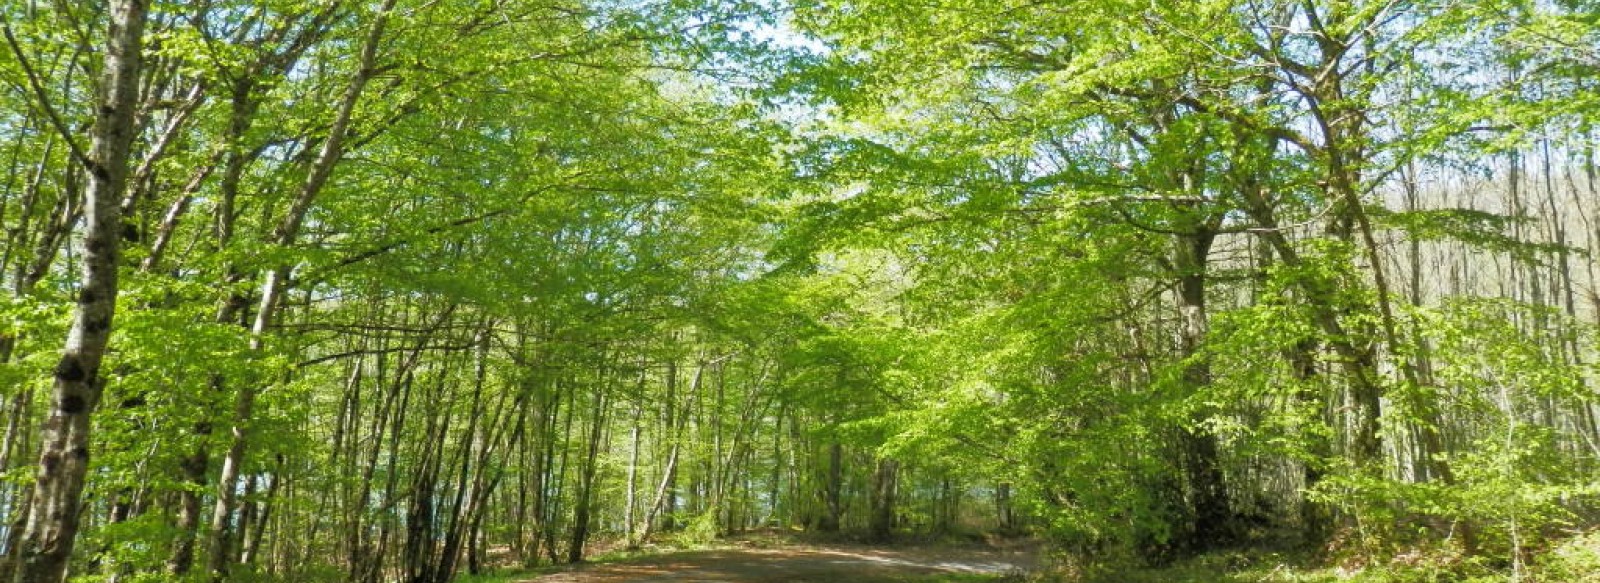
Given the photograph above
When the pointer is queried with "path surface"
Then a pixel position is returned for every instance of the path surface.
(801, 565)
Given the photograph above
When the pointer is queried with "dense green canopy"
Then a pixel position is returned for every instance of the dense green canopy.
(373, 291)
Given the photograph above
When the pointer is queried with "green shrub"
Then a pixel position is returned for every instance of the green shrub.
(1575, 560)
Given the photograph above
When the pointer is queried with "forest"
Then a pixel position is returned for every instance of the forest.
(425, 290)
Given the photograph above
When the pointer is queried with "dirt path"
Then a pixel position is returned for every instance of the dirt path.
(801, 564)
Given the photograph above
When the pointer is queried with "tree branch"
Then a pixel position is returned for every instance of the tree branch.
(37, 86)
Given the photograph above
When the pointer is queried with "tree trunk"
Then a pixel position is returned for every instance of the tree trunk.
(833, 483)
(193, 470)
(250, 550)
(666, 495)
(53, 511)
(1007, 519)
(583, 506)
(880, 526)
(632, 493)
(1213, 522)
(284, 234)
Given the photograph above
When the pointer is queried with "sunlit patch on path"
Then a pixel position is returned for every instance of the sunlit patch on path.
(796, 565)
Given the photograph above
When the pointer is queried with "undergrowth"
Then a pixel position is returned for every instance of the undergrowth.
(1572, 560)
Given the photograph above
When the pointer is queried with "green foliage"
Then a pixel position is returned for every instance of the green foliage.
(133, 545)
(1089, 253)
(1573, 559)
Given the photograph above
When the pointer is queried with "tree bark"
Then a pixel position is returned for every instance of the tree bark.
(632, 494)
(53, 512)
(833, 483)
(588, 471)
(1213, 522)
(880, 527)
(1007, 518)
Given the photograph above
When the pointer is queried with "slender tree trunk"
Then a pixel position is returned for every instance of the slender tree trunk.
(775, 478)
(471, 487)
(582, 506)
(540, 453)
(222, 527)
(558, 474)
(632, 494)
(53, 512)
(252, 541)
(667, 500)
(674, 425)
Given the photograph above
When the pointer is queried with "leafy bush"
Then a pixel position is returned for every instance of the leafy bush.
(1577, 559)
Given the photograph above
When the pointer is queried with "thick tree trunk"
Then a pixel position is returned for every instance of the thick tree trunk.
(1004, 513)
(193, 469)
(832, 486)
(1213, 522)
(1356, 357)
(53, 511)
(880, 526)
(946, 507)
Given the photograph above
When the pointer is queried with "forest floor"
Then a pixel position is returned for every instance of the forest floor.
(788, 558)
(799, 562)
